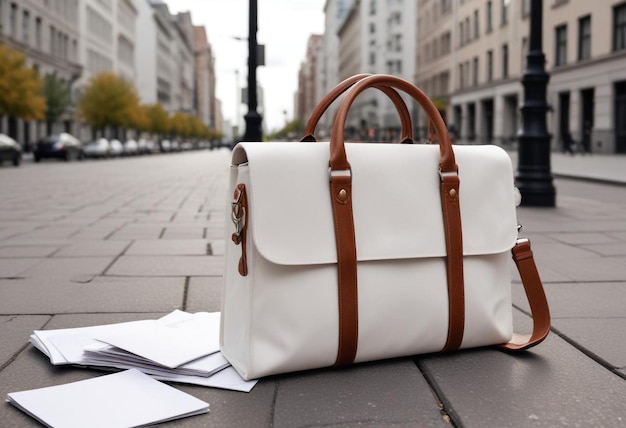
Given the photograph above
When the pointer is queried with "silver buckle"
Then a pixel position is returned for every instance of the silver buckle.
(442, 175)
(338, 173)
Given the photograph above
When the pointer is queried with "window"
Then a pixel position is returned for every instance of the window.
(475, 71)
(25, 26)
(372, 28)
(461, 76)
(524, 51)
(584, 38)
(560, 38)
(38, 33)
(13, 19)
(52, 40)
(476, 26)
(505, 11)
(372, 58)
(372, 7)
(489, 65)
(489, 17)
(468, 36)
(461, 34)
(619, 27)
(399, 66)
(505, 61)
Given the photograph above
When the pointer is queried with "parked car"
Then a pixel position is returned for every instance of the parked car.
(116, 147)
(97, 149)
(10, 150)
(165, 146)
(60, 146)
(131, 148)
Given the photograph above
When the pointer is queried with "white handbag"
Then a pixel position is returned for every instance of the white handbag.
(344, 253)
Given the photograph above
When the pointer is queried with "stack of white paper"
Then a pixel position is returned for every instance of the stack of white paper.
(125, 399)
(180, 347)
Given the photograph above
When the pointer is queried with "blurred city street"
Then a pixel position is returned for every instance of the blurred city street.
(98, 242)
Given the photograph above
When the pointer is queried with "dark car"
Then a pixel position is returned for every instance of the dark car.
(60, 146)
(10, 150)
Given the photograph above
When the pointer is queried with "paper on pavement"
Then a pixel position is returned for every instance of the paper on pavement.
(125, 399)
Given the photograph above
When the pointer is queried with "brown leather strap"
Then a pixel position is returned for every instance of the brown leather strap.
(344, 222)
(239, 217)
(454, 263)
(322, 106)
(523, 256)
(341, 197)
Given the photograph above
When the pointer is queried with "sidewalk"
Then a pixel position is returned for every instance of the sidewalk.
(77, 249)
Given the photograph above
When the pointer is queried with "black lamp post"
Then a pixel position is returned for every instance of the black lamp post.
(534, 178)
(253, 118)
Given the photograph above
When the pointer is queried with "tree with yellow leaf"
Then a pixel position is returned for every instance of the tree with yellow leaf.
(20, 87)
(108, 101)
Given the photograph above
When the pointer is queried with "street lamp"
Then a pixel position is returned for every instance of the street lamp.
(534, 178)
(253, 118)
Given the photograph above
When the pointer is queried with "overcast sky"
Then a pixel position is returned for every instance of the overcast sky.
(284, 29)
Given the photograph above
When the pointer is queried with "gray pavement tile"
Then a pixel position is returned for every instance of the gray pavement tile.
(580, 300)
(96, 232)
(100, 294)
(218, 247)
(69, 267)
(557, 251)
(177, 247)
(587, 269)
(14, 333)
(553, 384)
(617, 249)
(93, 249)
(167, 266)
(138, 231)
(34, 251)
(579, 238)
(11, 268)
(183, 232)
(215, 232)
(594, 334)
(204, 294)
(20, 240)
(388, 393)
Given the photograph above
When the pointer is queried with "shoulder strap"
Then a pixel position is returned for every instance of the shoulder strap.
(523, 257)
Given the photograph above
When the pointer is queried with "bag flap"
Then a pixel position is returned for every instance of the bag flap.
(396, 201)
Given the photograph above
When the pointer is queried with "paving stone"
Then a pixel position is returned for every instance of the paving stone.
(589, 269)
(178, 247)
(583, 238)
(591, 334)
(14, 333)
(183, 232)
(101, 294)
(579, 300)
(204, 294)
(10, 268)
(167, 266)
(558, 251)
(618, 249)
(74, 267)
(554, 384)
(31, 242)
(217, 247)
(93, 249)
(136, 231)
(388, 393)
(96, 232)
(28, 252)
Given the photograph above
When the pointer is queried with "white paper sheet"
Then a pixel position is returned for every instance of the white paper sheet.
(125, 399)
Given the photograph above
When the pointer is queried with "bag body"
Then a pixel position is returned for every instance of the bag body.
(281, 308)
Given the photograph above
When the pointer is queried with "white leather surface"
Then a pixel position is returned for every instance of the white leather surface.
(283, 316)
(397, 207)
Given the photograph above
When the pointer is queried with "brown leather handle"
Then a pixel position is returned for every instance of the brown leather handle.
(322, 106)
(338, 159)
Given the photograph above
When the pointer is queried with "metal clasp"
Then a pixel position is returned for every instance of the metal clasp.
(238, 215)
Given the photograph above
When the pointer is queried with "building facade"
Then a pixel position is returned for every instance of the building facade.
(204, 78)
(585, 48)
(47, 33)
